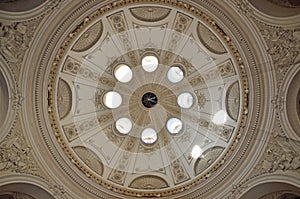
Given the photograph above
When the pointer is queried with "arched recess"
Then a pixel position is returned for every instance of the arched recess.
(8, 99)
(277, 8)
(25, 10)
(290, 97)
(24, 189)
(27, 185)
(271, 188)
(4, 99)
(19, 5)
(14, 195)
(293, 103)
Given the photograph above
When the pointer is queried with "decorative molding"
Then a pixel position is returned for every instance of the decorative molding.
(64, 99)
(38, 86)
(149, 182)
(90, 159)
(15, 40)
(233, 100)
(278, 100)
(58, 191)
(208, 158)
(150, 13)
(15, 154)
(209, 40)
(89, 38)
(243, 7)
(53, 4)
(17, 99)
(282, 45)
(282, 154)
(237, 190)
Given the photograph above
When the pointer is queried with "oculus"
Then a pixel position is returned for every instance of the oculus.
(123, 73)
(185, 100)
(150, 63)
(112, 99)
(124, 125)
(174, 125)
(149, 136)
(175, 74)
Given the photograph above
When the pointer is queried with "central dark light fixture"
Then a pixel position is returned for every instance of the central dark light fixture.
(149, 100)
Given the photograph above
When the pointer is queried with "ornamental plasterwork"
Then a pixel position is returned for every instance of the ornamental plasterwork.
(79, 98)
(281, 155)
(15, 40)
(83, 76)
(16, 155)
(282, 45)
(243, 7)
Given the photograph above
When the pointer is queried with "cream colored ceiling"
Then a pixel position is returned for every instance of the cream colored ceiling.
(58, 62)
(213, 74)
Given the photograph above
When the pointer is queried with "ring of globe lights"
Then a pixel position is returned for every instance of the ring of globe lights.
(196, 151)
(124, 74)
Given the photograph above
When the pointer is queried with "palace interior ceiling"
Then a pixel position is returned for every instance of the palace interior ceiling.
(149, 99)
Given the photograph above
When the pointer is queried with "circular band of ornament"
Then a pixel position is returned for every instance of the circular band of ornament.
(58, 62)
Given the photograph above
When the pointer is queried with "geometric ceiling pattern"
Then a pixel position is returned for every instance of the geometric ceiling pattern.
(149, 99)
(84, 74)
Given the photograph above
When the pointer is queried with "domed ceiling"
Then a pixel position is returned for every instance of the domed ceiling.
(149, 98)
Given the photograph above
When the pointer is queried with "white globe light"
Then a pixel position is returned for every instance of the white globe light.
(123, 73)
(124, 125)
(174, 125)
(150, 63)
(175, 74)
(112, 99)
(149, 136)
(185, 100)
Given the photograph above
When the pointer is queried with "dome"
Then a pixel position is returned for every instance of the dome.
(149, 99)
(171, 100)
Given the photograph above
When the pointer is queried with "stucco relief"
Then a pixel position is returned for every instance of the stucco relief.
(201, 102)
(90, 159)
(281, 155)
(15, 154)
(15, 39)
(243, 6)
(283, 45)
(148, 182)
(210, 41)
(150, 13)
(58, 191)
(208, 158)
(89, 38)
(233, 100)
(64, 95)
